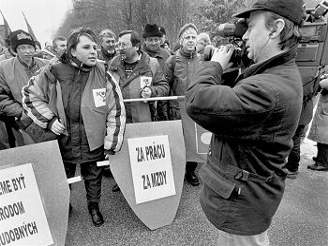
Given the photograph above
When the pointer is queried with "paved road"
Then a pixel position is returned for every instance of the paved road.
(301, 220)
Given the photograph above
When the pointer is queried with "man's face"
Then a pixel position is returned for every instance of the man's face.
(125, 48)
(153, 43)
(189, 38)
(200, 45)
(108, 44)
(60, 47)
(25, 52)
(86, 51)
(257, 37)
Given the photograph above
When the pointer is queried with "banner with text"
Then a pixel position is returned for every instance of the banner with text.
(22, 217)
(151, 168)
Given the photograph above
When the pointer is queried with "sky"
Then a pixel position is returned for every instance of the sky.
(45, 16)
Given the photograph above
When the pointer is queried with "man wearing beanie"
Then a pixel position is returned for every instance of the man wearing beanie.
(253, 120)
(179, 70)
(14, 74)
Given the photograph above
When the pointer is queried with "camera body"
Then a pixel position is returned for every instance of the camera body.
(234, 32)
(312, 51)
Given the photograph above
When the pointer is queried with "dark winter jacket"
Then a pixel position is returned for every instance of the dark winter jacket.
(252, 124)
(161, 107)
(179, 70)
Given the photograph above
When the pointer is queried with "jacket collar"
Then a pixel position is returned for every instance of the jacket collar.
(142, 65)
(25, 65)
(188, 55)
(272, 62)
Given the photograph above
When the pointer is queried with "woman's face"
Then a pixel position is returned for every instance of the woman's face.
(85, 51)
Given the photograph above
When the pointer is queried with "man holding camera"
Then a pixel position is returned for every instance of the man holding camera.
(252, 121)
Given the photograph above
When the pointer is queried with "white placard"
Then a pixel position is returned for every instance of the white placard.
(22, 217)
(151, 167)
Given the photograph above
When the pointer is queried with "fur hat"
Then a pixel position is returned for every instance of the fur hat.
(151, 30)
(19, 37)
(291, 9)
(185, 27)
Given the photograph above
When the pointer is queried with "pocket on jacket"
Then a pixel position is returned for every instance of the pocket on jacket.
(216, 182)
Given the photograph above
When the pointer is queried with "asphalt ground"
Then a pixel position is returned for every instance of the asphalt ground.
(301, 220)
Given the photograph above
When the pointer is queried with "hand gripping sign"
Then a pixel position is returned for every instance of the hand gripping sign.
(34, 196)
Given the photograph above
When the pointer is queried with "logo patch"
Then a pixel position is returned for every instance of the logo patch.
(99, 97)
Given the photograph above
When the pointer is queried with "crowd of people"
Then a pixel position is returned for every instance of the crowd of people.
(72, 91)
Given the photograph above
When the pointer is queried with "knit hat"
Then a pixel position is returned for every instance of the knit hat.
(151, 30)
(185, 27)
(291, 9)
(19, 37)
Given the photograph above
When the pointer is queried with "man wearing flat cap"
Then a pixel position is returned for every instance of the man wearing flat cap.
(252, 120)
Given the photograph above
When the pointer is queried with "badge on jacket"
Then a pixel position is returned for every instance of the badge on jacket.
(145, 81)
(99, 96)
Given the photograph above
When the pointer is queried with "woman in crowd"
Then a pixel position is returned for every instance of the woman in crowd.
(319, 130)
(77, 100)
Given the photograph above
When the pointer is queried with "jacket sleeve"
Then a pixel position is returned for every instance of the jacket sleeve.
(169, 70)
(226, 110)
(160, 86)
(8, 105)
(36, 100)
(116, 118)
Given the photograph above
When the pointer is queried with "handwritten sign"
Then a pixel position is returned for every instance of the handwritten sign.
(151, 167)
(22, 217)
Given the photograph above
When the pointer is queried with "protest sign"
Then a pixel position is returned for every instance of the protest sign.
(151, 167)
(157, 211)
(46, 196)
(22, 217)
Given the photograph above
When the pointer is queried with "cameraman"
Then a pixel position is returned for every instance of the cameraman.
(252, 123)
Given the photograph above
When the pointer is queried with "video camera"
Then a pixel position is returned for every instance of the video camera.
(234, 32)
(312, 51)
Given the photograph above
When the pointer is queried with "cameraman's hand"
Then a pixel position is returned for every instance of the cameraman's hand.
(223, 55)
